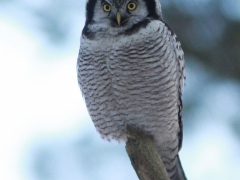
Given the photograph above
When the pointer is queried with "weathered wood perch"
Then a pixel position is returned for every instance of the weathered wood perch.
(144, 155)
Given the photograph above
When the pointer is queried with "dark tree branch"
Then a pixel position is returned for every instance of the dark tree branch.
(144, 156)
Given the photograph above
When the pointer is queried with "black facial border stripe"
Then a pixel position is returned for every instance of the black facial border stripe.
(151, 6)
(90, 10)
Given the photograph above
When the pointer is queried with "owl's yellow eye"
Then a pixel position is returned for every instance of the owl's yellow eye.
(106, 7)
(131, 6)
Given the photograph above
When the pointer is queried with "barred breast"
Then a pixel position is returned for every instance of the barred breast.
(134, 79)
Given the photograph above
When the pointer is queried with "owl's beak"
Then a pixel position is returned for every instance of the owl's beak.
(118, 18)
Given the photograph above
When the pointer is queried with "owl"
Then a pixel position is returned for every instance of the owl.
(131, 72)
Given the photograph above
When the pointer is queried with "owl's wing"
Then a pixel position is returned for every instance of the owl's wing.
(181, 74)
(181, 66)
(80, 72)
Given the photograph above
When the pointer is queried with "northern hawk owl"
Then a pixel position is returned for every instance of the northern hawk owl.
(131, 71)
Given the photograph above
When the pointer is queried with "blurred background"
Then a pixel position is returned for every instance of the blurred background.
(45, 130)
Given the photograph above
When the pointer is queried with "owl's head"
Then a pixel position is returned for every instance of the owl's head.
(120, 14)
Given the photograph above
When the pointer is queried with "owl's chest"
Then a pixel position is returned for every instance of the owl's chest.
(137, 61)
(133, 72)
(129, 56)
(133, 66)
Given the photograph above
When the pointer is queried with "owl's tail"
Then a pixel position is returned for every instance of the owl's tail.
(180, 175)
